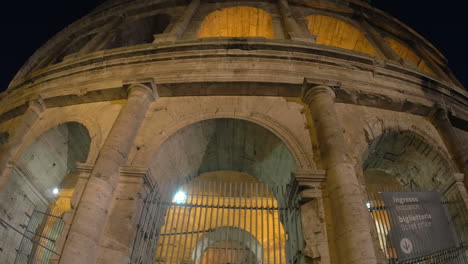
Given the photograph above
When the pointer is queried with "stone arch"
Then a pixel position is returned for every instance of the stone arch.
(43, 126)
(227, 233)
(226, 146)
(283, 133)
(205, 142)
(375, 130)
(407, 54)
(400, 152)
(139, 31)
(238, 21)
(41, 183)
(338, 33)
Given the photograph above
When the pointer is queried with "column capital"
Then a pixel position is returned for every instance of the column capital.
(37, 106)
(313, 87)
(459, 177)
(147, 86)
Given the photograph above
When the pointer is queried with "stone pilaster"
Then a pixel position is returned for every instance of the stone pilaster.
(441, 121)
(83, 171)
(350, 217)
(101, 39)
(180, 26)
(83, 243)
(32, 114)
(312, 205)
(461, 188)
(294, 31)
(119, 235)
(378, 40)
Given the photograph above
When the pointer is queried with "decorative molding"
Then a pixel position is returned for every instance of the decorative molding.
(308, 177)
(138, 172)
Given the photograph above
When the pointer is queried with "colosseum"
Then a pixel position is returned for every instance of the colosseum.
(234, 131)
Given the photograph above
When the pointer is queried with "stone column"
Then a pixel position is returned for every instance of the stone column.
(180, 26)
(294, 30)
(32, 114)
(83, 242)
(441, 121)
(350, 216)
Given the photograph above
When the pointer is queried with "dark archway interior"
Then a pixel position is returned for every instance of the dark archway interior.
(415, 164)
(224, 145)
(74, 47)
(42, 168)
(140, 31)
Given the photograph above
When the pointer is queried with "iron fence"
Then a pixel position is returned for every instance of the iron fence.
(219, 222)
(39, 238)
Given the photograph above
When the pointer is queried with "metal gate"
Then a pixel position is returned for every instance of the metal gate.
(458, 218)
(38, 236)
(219, 222)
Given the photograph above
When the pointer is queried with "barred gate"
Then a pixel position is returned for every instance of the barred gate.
(38, 237)
(458, 218)
(220, 222)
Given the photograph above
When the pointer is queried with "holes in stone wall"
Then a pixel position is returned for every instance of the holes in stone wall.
(140, 31)
(74, 47)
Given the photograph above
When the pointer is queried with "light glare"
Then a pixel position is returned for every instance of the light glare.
(55, 191)
(180, 197)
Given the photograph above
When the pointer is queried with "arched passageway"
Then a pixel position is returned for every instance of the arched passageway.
(402, 161)
(38, 192)
(204, 187)
(239, 21)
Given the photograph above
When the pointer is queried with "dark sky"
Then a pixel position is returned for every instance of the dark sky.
(26, 25)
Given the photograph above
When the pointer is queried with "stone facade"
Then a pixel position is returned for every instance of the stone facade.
(130, 99)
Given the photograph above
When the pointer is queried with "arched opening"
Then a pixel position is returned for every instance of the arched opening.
(239, 21)
(337, 33)
(38, 192)
(140, 31)
(407, 54)
(403, 163)
(216, 176)
(74, 47)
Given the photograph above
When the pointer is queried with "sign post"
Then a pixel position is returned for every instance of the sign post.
(419, 225)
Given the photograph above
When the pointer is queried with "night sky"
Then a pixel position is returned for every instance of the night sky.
(26, 25)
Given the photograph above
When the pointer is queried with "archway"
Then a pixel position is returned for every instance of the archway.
(407, 54)
(38, 192)
(402, 161)
(338, 33)
(139, 31)
(239, 21)
(210, 163)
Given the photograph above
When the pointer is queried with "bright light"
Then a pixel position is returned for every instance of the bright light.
(55, 191)
(368, 205)
(180, 197)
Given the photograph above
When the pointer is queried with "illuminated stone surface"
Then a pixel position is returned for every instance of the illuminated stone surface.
(140, 98)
